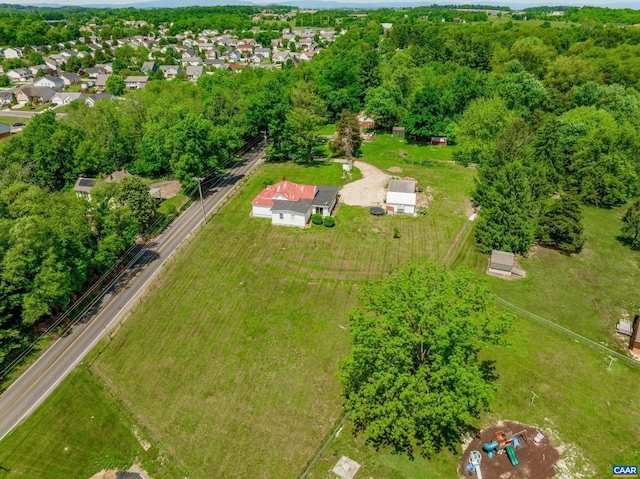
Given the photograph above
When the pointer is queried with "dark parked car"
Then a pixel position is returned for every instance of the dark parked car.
(18, 124)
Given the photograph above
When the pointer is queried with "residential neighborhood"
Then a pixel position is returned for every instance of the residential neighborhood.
(75, 66)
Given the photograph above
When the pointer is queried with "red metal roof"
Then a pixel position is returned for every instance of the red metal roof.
(284, 190)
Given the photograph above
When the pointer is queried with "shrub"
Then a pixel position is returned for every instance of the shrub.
(396, 232)
(329, 222)
(267, 182)
(316, 219)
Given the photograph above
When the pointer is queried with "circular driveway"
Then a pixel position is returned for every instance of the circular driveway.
(371, 190)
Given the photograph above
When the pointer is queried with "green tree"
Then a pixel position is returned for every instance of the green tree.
(560, 225)
(115, 85)
(133, 192)
(630, 232)
(414, 381)
(302, 132)
(425, 117)
(5, 81)
(506, 220)
(347, 140)
(385, 104)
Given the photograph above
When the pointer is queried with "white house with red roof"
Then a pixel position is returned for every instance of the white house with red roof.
(291, 204)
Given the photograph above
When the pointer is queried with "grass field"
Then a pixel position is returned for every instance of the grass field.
(243, 360)
(389, 150)
(230, 363)
(586, 293)
(78, 431)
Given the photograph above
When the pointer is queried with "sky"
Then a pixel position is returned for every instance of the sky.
(515, 3)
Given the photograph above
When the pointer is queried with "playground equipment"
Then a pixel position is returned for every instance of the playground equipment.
(511, 454)
(475, 458)
(504, 443)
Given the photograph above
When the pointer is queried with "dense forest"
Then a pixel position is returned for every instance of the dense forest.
(548, 116)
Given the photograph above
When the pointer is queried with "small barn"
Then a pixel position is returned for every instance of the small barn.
(398, 132)
(401, 196)
(5, 130)
(439, 141)
(502, 263)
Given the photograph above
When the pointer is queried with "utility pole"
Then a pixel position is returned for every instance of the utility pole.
(200, 180)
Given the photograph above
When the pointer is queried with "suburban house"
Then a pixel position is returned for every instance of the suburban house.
(502, 263)
(70, 78)
(6, 97)
(94, 72)
(136, 82)
(149, 67)
(35, 94)
(170, 71)
(101, 81)
(291, 204)
(94, 97)
(194, 72)
(401, 196)
(83, 185)
(13, 52)
(64, 98)
(56, 83)
(19, 74)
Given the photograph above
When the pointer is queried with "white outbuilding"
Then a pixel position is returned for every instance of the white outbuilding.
(401, 196)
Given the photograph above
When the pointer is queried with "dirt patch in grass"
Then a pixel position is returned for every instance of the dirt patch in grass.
(112, 474)
(395, 169)
(536, 461)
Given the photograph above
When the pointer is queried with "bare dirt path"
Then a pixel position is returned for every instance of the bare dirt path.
(368, 191)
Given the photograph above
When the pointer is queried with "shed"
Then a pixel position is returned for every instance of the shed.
(398, 131)
(5, 130)
(624, 327)
(439, 140)
(401, 196)
(501, 262)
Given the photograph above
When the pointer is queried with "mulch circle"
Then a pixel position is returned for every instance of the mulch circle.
(535, 461)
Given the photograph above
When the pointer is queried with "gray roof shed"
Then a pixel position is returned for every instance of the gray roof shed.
(502, 261)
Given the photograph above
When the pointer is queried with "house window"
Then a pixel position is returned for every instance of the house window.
(281, 216)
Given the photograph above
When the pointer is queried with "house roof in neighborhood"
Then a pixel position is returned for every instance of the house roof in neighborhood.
(84, 185)
(301, 206)
(284, 190)
(325, 195)
(117, 175)
(402, 186)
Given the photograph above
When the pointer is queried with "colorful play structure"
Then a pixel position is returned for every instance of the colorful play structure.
(502, 444)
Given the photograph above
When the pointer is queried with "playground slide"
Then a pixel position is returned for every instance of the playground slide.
(511, 454)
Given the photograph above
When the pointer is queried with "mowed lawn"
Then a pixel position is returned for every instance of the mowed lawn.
(586, 293)
(231, 362)
(78, 431)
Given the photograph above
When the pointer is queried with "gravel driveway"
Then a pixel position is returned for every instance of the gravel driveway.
(371, 190)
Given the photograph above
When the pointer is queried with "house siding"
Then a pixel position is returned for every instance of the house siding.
(261, 211)
(396, 199)
(290, 219)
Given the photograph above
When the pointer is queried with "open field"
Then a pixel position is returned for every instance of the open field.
(240, 340)
(78, 431)
(389, 150)
(230, 362)
(586, 293)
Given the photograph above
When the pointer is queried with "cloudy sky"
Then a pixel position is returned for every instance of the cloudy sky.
(514, 3)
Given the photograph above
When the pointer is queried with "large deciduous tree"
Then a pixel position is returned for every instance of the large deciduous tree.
(115, 85)
(414, 381)
(347, 140)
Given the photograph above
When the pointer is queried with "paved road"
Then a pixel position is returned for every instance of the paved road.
(37, 382)
(26, 114)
